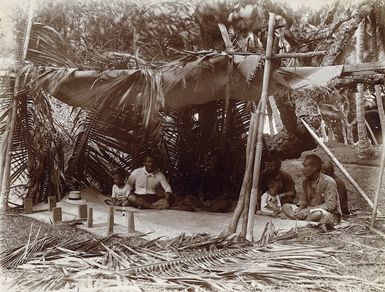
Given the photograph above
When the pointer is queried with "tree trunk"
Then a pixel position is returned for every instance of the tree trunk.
(344, 131)
(347, 30)
(364, 148)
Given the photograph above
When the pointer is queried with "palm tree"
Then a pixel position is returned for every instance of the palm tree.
(364, 148)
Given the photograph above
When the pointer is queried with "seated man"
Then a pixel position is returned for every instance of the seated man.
(319, 201)
(143, 185)
(120, 190)
(328, 169)
(286, 188)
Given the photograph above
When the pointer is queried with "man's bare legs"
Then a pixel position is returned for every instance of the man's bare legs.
(314, 216)
(291, 212)
(139, 202)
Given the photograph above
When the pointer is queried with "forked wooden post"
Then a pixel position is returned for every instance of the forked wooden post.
(130, 222)
(51, 202)
(56, 215)
(261, 120)
(82, 211)
(111, 220)
(90, 219)
(28, 206)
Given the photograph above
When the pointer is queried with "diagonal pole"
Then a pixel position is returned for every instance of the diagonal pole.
(261, 121)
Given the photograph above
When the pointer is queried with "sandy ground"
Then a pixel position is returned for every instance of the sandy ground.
(156, 223)
(362, 251)
(170, 223)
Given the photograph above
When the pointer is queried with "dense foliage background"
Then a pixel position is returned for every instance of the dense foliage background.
(62, 147)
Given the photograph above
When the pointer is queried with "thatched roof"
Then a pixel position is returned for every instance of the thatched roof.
(196, 82)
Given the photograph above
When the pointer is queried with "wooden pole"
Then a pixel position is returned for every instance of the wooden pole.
(250, 148)
(28, 206)
(56, 215)
(82, 211)
(261, 122)
(270, 118)
(5, 180)
(379, 187)
(247, 179)
(276, 114)
(51, 202)
(380, 107)
(111, 220)
(130, 222)
(90, 219)
(226, 119)
(381, 114)
(371, 133)
(338, 164)
(323, 131)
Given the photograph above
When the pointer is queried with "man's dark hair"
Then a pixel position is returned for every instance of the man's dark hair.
(328, 168)
(149, 155)
(315, 160)
(274, 158)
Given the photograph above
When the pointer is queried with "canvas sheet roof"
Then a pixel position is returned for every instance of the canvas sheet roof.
(205, 82)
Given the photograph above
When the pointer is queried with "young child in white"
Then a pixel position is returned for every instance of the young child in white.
(120, 190)
(270, 202)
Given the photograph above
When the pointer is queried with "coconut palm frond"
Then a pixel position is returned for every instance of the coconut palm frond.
(47, 47)
(202, 261)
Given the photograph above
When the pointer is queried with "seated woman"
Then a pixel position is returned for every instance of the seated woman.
(120, 190)
(270, 202)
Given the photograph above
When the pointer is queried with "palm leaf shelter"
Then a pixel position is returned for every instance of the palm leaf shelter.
(121, 113)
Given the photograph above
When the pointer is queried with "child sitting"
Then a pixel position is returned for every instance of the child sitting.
(270, 202)
(120, 190)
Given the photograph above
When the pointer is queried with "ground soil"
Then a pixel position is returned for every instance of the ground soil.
(364, 251)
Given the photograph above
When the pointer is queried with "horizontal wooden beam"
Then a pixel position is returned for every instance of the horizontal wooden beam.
(362, 67)
(299, 55)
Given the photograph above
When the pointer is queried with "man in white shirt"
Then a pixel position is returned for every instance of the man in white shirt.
(145, 186)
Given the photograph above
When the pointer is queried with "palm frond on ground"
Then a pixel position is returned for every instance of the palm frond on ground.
(198, 262)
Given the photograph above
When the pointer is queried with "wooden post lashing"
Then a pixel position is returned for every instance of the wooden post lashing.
(130, 222)
(28, 204)
(90, 220)
(82, 211)
(56, 215)
(51, 202)
(111, 221)
(261, 111)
